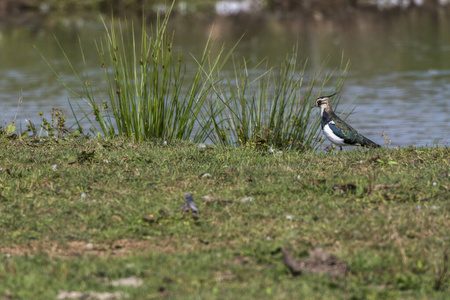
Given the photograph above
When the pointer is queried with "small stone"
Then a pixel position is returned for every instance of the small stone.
(72, 295)
(55, 167)
(246, 199)
(209, 198)
(149, 218)
(130, 281)
(116, 218)
(91, 295)
(89, 246)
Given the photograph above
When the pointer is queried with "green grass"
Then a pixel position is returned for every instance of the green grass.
(393, 238)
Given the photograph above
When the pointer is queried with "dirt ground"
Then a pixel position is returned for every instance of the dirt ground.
(117, 248)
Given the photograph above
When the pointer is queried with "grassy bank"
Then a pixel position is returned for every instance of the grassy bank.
(76, 215)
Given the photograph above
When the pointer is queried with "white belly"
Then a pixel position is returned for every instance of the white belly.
(332, 137)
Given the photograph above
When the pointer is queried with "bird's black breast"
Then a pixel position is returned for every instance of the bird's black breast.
(326, 118)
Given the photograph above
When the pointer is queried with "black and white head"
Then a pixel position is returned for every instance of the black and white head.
(323, 102)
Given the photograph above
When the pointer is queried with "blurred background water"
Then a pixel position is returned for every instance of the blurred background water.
(400, 57)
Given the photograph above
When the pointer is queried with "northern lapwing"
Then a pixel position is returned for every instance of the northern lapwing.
(336, 130)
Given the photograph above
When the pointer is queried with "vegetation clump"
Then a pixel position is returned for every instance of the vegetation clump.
(149, 97)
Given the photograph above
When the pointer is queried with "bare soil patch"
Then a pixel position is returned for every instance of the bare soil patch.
(318, 262)
(117, 248)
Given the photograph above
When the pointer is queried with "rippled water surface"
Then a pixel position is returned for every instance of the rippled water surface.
(400, 63)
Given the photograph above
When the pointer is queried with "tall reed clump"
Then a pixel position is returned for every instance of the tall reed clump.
(148, 96)
(271, 108)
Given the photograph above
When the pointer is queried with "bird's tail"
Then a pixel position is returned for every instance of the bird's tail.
(369, 144)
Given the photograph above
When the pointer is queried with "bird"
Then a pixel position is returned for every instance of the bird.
(336, 130)
(189, 205)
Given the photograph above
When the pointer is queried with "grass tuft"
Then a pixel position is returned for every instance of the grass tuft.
(148, 96)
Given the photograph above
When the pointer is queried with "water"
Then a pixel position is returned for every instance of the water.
(400, 63)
